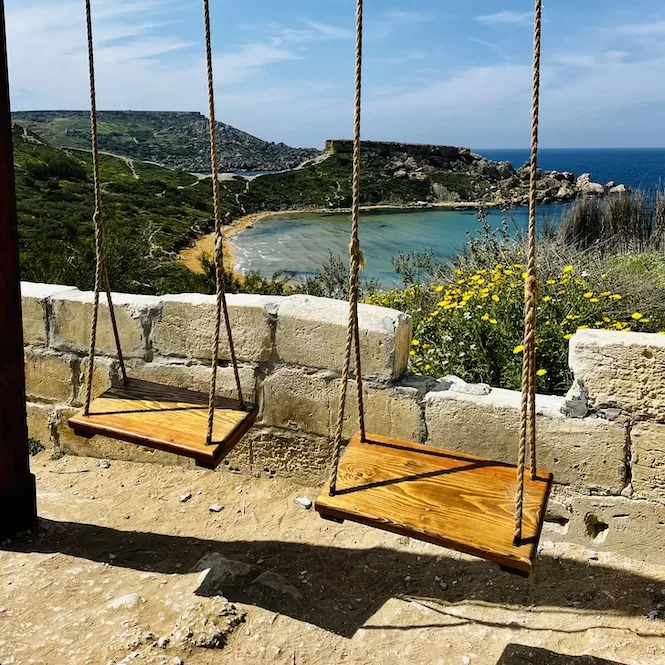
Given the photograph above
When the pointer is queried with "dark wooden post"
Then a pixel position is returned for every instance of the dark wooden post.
(18, 504)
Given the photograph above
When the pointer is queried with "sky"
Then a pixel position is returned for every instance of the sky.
(435, 71)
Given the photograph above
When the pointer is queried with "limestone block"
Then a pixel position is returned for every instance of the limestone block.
(302, 457)
(312, 332)
(589, 453)
(196, 377)
(621, 370)
(648, 461)
(185, 327)
(33, 302)
(40, 420)
(72, 319)
(103, 447)
(635, 528)
(49, 375)
(106, 373)
(307, 400)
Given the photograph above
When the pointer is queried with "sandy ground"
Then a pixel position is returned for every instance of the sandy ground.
(206, 244)
(105, 578)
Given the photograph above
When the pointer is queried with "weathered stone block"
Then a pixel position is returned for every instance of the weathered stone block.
(106, 373)
(288, 453)
(106, 448)
(587, 453)
(648, 461)
(312, 332)
(307, 400)
(196, 377)
(185, 327)
(621, 370)
(72, 319)
(49, 375)
(33, 302)
(635, 528)
(40, 420)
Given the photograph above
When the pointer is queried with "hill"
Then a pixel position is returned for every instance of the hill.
(172, 139)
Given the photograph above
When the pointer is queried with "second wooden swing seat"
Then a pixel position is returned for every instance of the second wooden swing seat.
(477, 506)
(202, 426)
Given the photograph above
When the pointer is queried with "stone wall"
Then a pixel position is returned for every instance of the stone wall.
(604, 441)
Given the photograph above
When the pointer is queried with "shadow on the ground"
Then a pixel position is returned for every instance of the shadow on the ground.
(517, 654)
(344, 587)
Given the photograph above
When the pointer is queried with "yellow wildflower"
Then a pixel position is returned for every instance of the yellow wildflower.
(495, 298)
(568, 269)
(594, 300)
(439, 288)
(485, 317)
(415, 342)
(518, 349)
(541, 372)
(551, 281)
(606, 293)
(493, 322)
(588, 294)
(568, 336)
(637, 316)
(547, 298)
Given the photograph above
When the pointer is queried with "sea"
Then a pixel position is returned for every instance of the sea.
(301, 244)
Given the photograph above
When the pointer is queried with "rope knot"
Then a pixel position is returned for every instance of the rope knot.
(356, 254)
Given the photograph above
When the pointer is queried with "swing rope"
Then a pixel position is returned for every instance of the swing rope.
(101, 270)
(356, 262)
(221, 304)
(528, 405)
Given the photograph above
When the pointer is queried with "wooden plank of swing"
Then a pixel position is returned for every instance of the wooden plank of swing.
(166, 418)
(455, 500)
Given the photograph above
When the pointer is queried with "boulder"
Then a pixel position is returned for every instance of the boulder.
(619, 189)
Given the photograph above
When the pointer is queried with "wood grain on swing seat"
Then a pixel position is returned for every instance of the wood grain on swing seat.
(166, 418)
(451, 499)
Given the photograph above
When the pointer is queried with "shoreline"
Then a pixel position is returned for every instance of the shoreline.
(206, 244)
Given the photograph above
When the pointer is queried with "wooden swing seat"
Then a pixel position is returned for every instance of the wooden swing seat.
(166, 418)
(450, 499)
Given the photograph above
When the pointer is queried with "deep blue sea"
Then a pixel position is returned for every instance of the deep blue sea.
(302, 243)
(642, 167)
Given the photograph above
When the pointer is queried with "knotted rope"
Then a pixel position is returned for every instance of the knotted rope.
(221, 305)
(528, 406)
(356, 262)
(101, 270)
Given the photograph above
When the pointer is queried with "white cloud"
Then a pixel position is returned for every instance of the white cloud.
(645, 29)
(393, 20)
(505, 17)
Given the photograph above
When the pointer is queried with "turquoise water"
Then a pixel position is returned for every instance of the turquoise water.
(302, 243)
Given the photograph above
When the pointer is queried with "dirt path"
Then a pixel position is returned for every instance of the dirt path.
(107, 579)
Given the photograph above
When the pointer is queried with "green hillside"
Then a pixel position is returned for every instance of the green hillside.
(147, 219)
(173, 139)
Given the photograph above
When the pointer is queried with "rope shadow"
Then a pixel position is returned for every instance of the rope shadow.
(518, 654)
(344, 587)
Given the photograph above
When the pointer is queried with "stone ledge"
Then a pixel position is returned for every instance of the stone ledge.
(72, 319)
(311, 332)
(185, 327)
(585, 453)
(34, 298)
(621, 370)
